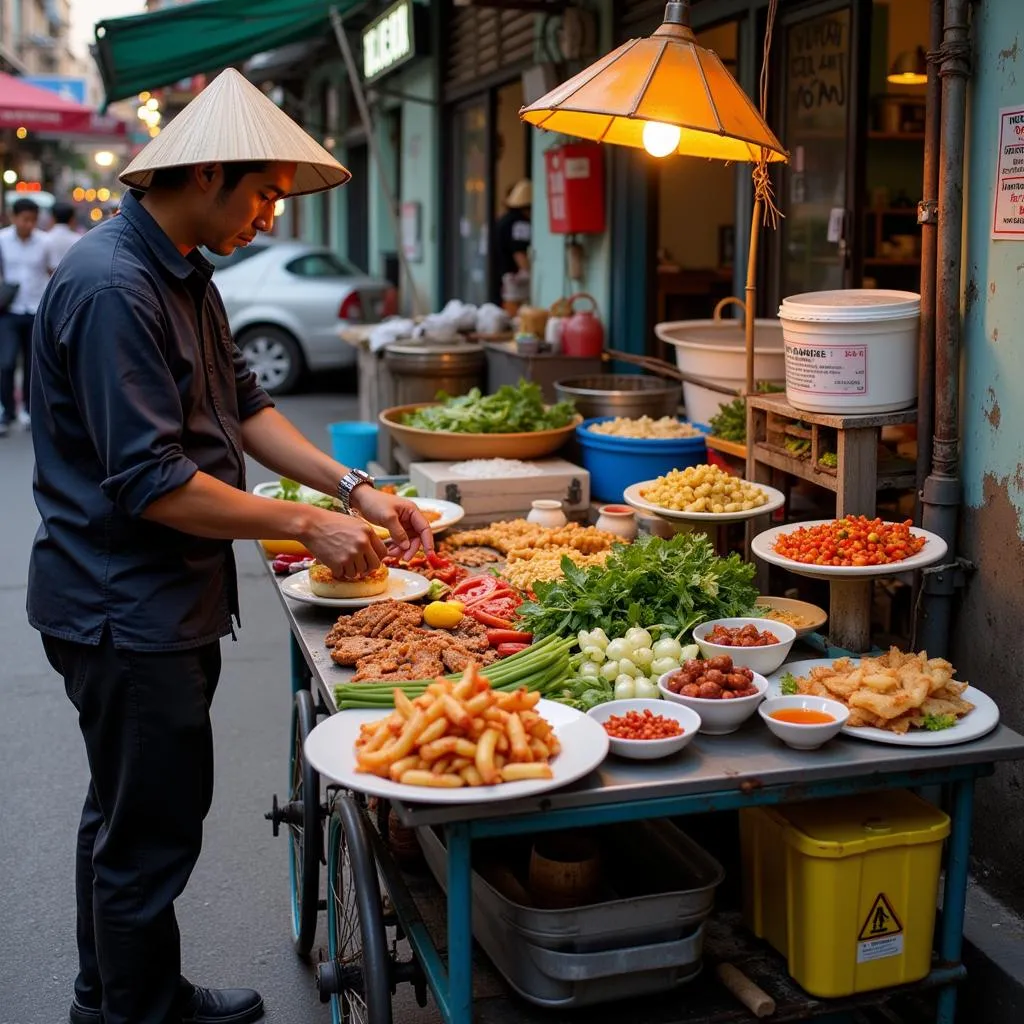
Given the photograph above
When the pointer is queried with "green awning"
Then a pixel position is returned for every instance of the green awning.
(148, 51)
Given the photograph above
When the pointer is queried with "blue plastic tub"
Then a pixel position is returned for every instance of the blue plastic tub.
(615, 463)
(353, 444)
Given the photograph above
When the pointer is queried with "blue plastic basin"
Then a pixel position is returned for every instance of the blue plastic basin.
(615, 463)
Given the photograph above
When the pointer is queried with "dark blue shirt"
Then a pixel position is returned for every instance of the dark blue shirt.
(137, 384)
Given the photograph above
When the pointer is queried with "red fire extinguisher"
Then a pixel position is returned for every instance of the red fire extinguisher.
(582, 332)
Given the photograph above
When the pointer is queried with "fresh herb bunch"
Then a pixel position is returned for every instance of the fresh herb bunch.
(790, 687)
(675, 584)
(510, 410)
(730, 424)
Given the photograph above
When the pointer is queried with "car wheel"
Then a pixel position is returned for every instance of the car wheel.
(274, 356)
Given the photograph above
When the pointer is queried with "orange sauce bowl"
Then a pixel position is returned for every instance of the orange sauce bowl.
(804, 722)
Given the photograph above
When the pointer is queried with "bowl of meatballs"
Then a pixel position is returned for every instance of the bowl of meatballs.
(724, 694)
(758, 644)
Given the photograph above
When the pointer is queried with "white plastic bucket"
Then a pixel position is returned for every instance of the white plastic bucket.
(717, 351)
(851, 351)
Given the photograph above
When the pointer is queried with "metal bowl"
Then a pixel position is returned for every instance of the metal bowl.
(629, 395)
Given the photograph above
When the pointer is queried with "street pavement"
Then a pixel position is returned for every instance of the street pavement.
(234, 915)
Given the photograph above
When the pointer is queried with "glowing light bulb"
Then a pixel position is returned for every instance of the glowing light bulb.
(660, 139)
(279, 208)
(10, 176)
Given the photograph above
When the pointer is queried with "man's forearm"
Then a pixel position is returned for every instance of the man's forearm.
(273, 441)
(207, 507)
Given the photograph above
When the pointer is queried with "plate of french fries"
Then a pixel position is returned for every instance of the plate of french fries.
(897, 698)
(460, 742)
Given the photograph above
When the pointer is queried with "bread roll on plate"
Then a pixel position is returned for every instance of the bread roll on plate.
(324, 583)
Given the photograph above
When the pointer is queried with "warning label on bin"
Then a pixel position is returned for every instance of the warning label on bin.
(827, 369)
(882, 933)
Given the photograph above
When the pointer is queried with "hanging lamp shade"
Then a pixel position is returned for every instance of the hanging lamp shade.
(910, 68)
(651, 92)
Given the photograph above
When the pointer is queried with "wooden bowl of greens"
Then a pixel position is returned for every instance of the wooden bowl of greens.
(513, 423)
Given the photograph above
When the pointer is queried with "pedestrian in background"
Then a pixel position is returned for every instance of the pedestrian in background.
(510, 245)
(23, 263)
(61, 236)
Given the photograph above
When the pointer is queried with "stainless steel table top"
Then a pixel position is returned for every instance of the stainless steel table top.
(746, 759)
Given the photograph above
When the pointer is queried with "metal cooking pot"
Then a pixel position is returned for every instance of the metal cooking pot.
(420, 371)
(621, 394)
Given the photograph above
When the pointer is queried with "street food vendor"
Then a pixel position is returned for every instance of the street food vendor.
(144, 410)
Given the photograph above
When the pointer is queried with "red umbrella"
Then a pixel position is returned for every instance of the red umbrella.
(45, 113)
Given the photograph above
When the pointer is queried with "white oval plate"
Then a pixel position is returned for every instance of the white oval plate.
(402, 586)
(450, 512)
(330, 749)
(763, 545)
(631, 495)
(980, 722)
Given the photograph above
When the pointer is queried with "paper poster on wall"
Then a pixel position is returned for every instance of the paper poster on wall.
(1008, 214)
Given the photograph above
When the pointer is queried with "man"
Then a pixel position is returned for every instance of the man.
(144, 409)
(61, 236)
(511, 239)
(22, 262)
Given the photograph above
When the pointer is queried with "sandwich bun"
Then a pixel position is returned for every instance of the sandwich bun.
(324, 583)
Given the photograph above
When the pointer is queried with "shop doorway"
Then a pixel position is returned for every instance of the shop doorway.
(823, 54)
(358, 194)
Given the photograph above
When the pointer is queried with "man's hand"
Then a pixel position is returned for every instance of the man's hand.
(345, 544)
(403, 520)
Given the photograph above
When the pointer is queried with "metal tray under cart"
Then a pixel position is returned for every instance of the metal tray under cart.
(746, 769)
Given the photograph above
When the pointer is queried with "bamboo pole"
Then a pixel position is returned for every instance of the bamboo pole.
(751, 292)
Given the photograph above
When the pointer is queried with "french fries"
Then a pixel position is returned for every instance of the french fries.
(459, 734)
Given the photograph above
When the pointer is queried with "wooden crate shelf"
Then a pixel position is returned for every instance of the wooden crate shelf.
(855, 480)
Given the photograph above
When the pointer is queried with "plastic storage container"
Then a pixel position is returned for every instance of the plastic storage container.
(615, 463)
(626, 945)
(716, 350)
(852, 350)
(845, 889)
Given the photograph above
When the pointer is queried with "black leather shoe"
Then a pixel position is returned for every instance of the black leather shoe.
(222, 1006)
(202, 1006)
(80, 1014)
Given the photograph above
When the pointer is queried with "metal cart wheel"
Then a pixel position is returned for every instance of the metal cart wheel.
(357, 977)
(305, 832)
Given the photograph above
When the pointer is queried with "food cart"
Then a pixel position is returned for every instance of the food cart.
(370, 895)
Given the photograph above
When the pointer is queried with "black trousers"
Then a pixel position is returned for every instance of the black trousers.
(15, 339)
(146, 723)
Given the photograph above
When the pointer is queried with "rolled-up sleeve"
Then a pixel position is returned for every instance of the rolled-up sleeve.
(127, 396)
(251, 397)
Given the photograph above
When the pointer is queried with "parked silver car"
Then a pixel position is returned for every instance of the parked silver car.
(286, 301)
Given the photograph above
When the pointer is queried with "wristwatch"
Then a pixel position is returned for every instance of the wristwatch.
(348, 483)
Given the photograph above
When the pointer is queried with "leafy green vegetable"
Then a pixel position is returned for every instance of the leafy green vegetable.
(936, 723)
(583, 694)
(289, 490)
(675, 583)
(829, 459)
(408, 491)
(789, 685)
(798, 445)
(510, 410)
(730, 424)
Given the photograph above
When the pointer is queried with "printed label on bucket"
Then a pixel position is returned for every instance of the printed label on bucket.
(827, 369)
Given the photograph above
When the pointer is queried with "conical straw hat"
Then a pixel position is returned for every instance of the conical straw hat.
(230, 121)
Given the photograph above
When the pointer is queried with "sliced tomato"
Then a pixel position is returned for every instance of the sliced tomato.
(505, 606)
(436, 561)
(507, 650)
(508, 636)
(476, 588)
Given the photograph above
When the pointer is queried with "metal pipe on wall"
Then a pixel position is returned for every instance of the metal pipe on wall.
(942, 492)
(927, 217)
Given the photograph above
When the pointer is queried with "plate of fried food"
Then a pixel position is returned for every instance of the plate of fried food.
(703, 494)
(320, 586)
(460, 742)
(898, 698)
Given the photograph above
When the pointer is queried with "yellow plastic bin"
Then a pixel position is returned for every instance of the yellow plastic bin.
(845, 889)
